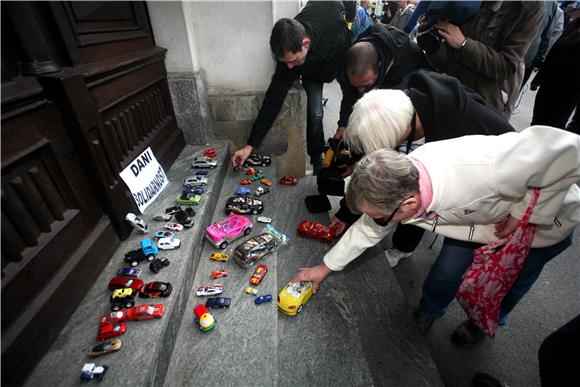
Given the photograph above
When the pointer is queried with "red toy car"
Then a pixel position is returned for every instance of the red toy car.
(111, 330)
(259, 274)
(209, 152)
(145, 312)
(245, 182)
(288, 180)
(113, 317)
(317, 231)
(124, 282)
(156, 289)
(219, 273)
(251, 171)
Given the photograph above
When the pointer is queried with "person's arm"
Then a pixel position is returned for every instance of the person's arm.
(349, 97)
(546, 39)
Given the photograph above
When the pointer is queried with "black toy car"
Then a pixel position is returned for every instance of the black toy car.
(158, 264)
(123, 298)
(184, 217)
(254, 249)
(256, 160)
(156, 289)
(218, 302)
(243, 205)
(133, 257)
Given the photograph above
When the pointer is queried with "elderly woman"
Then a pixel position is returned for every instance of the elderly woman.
(471, 189)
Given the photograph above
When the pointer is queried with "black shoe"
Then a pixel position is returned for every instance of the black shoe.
(468, 335)
(423, 321)
(317, 203)
(485, 380)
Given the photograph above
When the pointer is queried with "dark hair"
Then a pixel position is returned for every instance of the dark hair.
(360, 58)
(287, 36)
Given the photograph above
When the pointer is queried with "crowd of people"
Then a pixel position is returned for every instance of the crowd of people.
(449, 73)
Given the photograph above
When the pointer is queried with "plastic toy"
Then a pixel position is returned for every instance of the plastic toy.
(137, 223)
(113, 317)
(172, 210)
(245, 182)
(266, 181)
(259, 274)
(254, 249)
(133, 257)
(220, 257)
(210, 152)
(201, 172)
(261, 299)
(91, 371)
(169, 243)
(193, 191)
(243, 205)
(218, 302)
(293, 297)
(124, 282)
(261, 191)
(220, 234)
(251, 290)
(209, 290)
(105, 347)
(215, 274)
(128, 272)
(264, 219)
(317, 231)
(204, 318)
(256, 176)
(188, 199)
(164, 234)
(106, 331)
(279, 235)
(173, 226)
(162, 217)
(251, 171)
(156, 289)
(149, 249)
(194, 181)
(123, 298)
(184, 219)
(204, 162)
(146, 312)
(288, 180)
(158, 263)
(243, 191)
(256, 159)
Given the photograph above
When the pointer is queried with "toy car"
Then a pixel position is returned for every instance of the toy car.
(261, 299)
(288, 180)
(169, 243)
(105, 347)
(124, 282)
(261, 191)
(201, 172)
(193, 190)
(293, 297)
(172, 210)
(128, 272)
(245, 182)
(173, 226)
(251, 290)
(220, 257)
(266, 181)
(158, 263)
(156, 289)
(257, 176)
(251, 171)
(219, 273)
(133, 257)
(243, 205)
(264, 219)
(91, 371)
(317, 231)
(256, 159)
(204, 162)
(145, 312)
(218, 302)
(123, 298)
(210, 152)
(149, 249)
(184, 218)
(243, 191)
(137, 223)
(209, 290)
(113, 317)
(106, 331)
(254, 249)
(163, 234)
(259, 274)
(163, 217)
(194, 181)
(188, 199)
(228, 230)
(204, 318)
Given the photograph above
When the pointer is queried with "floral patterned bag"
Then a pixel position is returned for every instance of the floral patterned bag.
(494, 270)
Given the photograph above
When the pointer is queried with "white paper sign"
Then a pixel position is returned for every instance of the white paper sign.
(145, 178)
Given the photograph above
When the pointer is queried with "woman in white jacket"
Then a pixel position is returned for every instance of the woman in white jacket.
(472, 189)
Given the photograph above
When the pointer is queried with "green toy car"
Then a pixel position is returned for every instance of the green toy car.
(188, 199)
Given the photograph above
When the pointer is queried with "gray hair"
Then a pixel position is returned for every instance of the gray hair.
(380, 119)
(382, 179)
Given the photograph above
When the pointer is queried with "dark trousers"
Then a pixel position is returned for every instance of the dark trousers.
(314, 119)
(559, 356)
(554, 105)
(406, 237)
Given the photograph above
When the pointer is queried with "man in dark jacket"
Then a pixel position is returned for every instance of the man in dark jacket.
(310, 47)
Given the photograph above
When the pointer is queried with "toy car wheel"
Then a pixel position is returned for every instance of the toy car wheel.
(247, 231)
(255, 212)
(223, 245)
(203, 183)
(134, 263)
(150, 257)
(228, 212)
(129, 304)
(212, 166)
(116, 307)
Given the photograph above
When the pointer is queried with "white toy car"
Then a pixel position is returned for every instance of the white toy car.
(204, 162)
(209, 290)
(261, 191)
(194, 181)
(264, 219)
(91, 371)
(137, 223)
(169, 243)
(173, 226)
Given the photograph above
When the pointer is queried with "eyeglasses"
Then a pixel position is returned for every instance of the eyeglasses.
(385, 221)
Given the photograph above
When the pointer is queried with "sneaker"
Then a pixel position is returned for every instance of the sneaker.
(423, 321)
(467, 335)
(394, 256)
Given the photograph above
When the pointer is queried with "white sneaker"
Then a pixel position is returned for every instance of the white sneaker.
(394, 256)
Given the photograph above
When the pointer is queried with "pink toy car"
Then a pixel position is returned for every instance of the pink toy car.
(228, 230)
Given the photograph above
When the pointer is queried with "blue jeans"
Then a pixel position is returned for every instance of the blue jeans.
(314, 117)
(455, 257)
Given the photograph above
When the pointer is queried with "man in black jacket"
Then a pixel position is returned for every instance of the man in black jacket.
(310, 47)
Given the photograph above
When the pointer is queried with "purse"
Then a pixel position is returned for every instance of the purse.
(494, 270)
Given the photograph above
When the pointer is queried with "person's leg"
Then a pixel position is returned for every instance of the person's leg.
(314, 119)
(559, 354)
(405, 239)
(553, 106)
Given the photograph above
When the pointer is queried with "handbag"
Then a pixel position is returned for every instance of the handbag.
(494, 270)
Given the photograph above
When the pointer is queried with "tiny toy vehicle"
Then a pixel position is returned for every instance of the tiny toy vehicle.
(172, 210)
(259, 274)
(243, 191)
(279, 235)
(184, 218)
(256, 159)
(215, 274)
(133, 257)
(204, 318)
(192, 191)
(173, 226)
(106, 331)
(245, 182)
(149, 249)
(113, 317)
(257, 176)
(91, 371)
(204, 162)
(209, 290)
(169, 243)
(124, 282)
(163, 234)
(194, 181)
(261, 191)
(201, 172)
(218, 302)
(243, 205)
(209, 152)
(264, 219)
(288, 180)
(156, 289)
(123, 298)
(220, 234)
(137, 223)
(293, 297)
(251, 290)
(105, 347)
(128, 272)
(266, 181)
(145, 312)
(261, 299)
(220, 257)
(163, 217)
(317, 231)
(188, 199)
(251, 171)
(254, 249)
(158, 263)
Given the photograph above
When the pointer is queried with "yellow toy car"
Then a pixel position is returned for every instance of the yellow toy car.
(266, 181)
(251, 290)
(293, 297)
(220, 257)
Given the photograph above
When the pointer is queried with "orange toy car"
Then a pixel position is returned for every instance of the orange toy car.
(219, 273)
(245, 182)
(266, 181)
(259, 274)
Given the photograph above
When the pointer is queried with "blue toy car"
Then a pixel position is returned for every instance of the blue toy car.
(243, 191)
(192, 191)
(128, 272)
(201, 173)
(261, 299)
(218, 302)
(149, 249)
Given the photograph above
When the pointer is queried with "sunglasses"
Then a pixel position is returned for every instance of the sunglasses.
(385, 221)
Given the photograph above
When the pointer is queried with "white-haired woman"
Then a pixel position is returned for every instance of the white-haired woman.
(471, 189)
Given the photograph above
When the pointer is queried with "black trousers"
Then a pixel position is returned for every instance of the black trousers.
(406, 237)
(554, 105)
(559, 356)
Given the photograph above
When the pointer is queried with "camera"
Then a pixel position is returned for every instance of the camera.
(429, 40)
